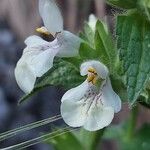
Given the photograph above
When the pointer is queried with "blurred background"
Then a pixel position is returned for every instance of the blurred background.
(18, 20)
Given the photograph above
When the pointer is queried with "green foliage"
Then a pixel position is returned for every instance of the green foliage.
(87, 53)
(127, 136)
(88, 35)
(144, 98)
(125, 4)
(103, 48)
(119, 87)
(104, 45)
(139, 141)
(133, 36)
(90, 140)
(63, 74)
(66, 141)
(143, 7)
(77, 140)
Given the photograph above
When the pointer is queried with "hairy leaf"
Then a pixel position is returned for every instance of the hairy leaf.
(126, 4)
(133, 36)
(88, 35)
(86, 52)
(144, 8)
(104, 45)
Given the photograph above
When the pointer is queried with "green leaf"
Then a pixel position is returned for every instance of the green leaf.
(133, 36)
(86, 52)
(88, 34)
(125, 4)
(104, 45)
(75, 61)
(63, 74)
(66, 142)
(144, 8)
(144, 98)
(102, 48)
(119, 87)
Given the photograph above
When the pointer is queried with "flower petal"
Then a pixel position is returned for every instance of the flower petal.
(69, 44)
(24, 76)
(73, 112)
(101, 69)
(42, 62)
(110, 98)
(98, 118)
(51, 15)
(35, 61)
(76, 93)
(34, 41)
(92, 22)
(40, 54)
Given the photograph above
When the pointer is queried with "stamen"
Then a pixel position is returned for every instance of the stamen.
(92, 70)
(43, 30)
(92, 76)
(94, 80)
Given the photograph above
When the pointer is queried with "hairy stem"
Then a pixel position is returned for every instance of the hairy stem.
(132, 122)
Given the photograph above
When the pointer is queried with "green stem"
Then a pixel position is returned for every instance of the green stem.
(132, 123)
(97, 140)
(90, 140)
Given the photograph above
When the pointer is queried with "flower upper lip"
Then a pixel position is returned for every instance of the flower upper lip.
(51, 16)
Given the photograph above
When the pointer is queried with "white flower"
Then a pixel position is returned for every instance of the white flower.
(92, 22)
(51, 15)
(38, 56)
(92, 104)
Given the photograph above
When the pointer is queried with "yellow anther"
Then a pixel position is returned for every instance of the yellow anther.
(94, 80)
(92, 70)
(43, 30)
(92, 76)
